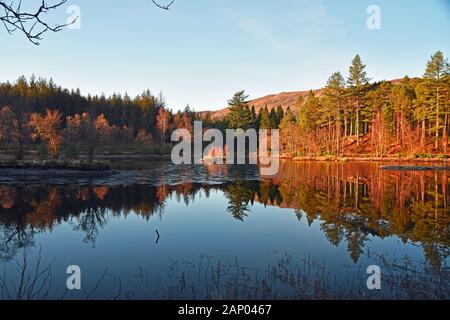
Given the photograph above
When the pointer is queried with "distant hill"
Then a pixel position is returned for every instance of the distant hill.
(283, 99)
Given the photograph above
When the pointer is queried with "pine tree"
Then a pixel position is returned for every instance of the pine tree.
(288, 132)
(308, 115)
(357, 79)
(240, 116)
(280, 115)
(264, 122)
(255, 118)
(423, 108)
(402, 98)
(332, 107)
(273, 119)
(436, 71)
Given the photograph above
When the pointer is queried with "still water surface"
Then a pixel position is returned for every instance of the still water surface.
(227, 232)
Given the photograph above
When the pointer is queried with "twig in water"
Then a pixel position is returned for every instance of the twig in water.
(157, 239)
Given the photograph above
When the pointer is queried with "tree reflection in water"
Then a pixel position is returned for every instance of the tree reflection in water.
(351, 202)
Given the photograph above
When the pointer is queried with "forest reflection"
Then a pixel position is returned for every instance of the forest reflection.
(352, 202)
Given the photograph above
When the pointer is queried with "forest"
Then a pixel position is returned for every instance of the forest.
(349, 116)
(353, 116)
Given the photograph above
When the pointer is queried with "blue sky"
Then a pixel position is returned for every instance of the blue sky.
(202, 51)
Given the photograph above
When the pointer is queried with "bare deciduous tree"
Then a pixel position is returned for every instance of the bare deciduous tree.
(93, 129)
(31, 23)
(14, 128)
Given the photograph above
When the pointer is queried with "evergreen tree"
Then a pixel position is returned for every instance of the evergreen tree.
(357, 80)
(280, 115)
(436, 72)
(307, 117)
(264, 122)
(240, 116)
(273, 117)
(332, 108)
(402, 97)
(255, 118)
(288, 132)
(423, 108)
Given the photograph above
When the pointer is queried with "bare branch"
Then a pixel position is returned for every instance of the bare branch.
(32, 24)
(164, 7)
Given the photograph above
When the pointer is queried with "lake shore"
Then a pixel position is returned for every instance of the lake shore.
(366, 159)
(81, 166)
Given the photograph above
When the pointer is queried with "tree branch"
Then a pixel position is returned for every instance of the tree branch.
(164, 7)
(32, 24)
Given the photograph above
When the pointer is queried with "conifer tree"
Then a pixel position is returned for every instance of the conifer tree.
(240, 116)
(288, 132)
(273, 119)
(264, 122)
(435, 74)
(332, 106)
(357, 80)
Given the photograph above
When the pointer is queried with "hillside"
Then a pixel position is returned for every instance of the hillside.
(283, 99)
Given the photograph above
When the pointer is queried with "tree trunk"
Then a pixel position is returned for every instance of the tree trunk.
(436, 146)
(345, 123)
(20, 138)
(357, 123)
(91, 155)
(445, 135)
(422, 140)
(338, 132)
(19, 154)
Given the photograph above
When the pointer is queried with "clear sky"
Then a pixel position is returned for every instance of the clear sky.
(202, 51)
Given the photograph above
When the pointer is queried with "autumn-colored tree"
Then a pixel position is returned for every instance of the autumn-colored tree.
(162, 123)
(379, 135)
(47, 128)
(403, 97)
(92, 131)
(143, 138)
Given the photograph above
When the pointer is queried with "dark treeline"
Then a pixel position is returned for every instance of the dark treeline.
(37, 95)
(123, 119)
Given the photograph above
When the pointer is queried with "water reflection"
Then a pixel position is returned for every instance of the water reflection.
(352, 202)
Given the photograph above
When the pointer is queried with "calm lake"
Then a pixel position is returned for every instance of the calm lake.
(225, 232)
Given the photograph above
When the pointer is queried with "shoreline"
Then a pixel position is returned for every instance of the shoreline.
(365, 159)
(44, 166)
